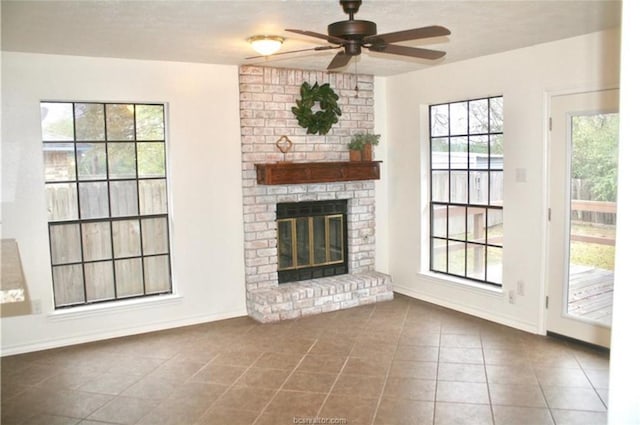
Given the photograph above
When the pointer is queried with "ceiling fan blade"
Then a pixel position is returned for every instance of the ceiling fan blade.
(408, 51)
(329, 38)
(295, 51)
(412, 34)
(339, 60)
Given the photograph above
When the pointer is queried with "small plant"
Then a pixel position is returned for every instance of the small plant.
(359, 140)
(360, 146)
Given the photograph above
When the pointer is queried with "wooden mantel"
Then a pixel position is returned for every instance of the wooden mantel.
(317, 172)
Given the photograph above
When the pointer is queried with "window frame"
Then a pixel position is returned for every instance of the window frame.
(487, 206)
(139, 217)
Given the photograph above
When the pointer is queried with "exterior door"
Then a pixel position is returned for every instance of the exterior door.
(583, 161)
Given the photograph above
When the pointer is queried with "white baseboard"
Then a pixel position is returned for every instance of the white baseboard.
(483, 314)
(134, 330)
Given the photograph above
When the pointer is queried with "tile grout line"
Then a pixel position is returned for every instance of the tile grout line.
(121, 392)
(189, 380)
(324, 402)
(544, 395)
(386, 377)
(435, 390)
(593, 387)
(295, 368)
(235, 381)
(486, 376)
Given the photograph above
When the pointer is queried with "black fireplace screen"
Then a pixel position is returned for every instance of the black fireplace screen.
(312, 240)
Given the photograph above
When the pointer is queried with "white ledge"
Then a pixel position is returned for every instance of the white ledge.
(467, 285)
(115, 306)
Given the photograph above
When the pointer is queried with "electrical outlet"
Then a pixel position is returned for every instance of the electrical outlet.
(36, 307)
(521, 288)
(512, 297)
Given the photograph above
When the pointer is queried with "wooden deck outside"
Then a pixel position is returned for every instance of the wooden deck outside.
(591, 293)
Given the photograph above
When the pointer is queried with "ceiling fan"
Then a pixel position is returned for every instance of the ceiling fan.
(352, 35)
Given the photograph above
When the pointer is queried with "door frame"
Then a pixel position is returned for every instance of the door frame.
(546, 239)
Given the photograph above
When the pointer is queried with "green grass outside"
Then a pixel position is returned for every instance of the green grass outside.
(593, 254)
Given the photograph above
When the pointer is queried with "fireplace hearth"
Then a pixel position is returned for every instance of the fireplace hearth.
(312, 240)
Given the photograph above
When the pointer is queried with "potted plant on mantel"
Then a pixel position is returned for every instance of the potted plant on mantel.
(360, 146)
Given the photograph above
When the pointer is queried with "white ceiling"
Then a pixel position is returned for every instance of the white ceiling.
(212, 31)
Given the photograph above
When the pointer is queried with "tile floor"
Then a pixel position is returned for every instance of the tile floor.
(403, 362)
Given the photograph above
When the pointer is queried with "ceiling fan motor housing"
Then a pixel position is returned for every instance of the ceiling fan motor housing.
(353, 30)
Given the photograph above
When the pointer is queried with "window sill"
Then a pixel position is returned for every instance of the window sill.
(115, 306)
(467, 285)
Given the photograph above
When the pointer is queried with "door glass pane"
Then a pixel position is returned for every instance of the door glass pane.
(593, 185)
(336, 250)
(319, 241)
(285, 244)
(302, 239)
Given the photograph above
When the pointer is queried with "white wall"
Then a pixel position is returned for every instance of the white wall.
(624, 395)
(524, 77)
(382, 185)
(204, 187)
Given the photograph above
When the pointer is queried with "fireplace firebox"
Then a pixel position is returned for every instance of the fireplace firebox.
(312, 240)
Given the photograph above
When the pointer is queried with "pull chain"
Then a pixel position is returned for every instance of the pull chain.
(356, 65)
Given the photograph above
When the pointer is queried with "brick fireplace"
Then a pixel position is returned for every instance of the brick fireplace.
(266, 98)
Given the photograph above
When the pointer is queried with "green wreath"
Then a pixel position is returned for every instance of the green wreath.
(318, 122)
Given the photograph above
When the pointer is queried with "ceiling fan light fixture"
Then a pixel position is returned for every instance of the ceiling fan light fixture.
(266, 45)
